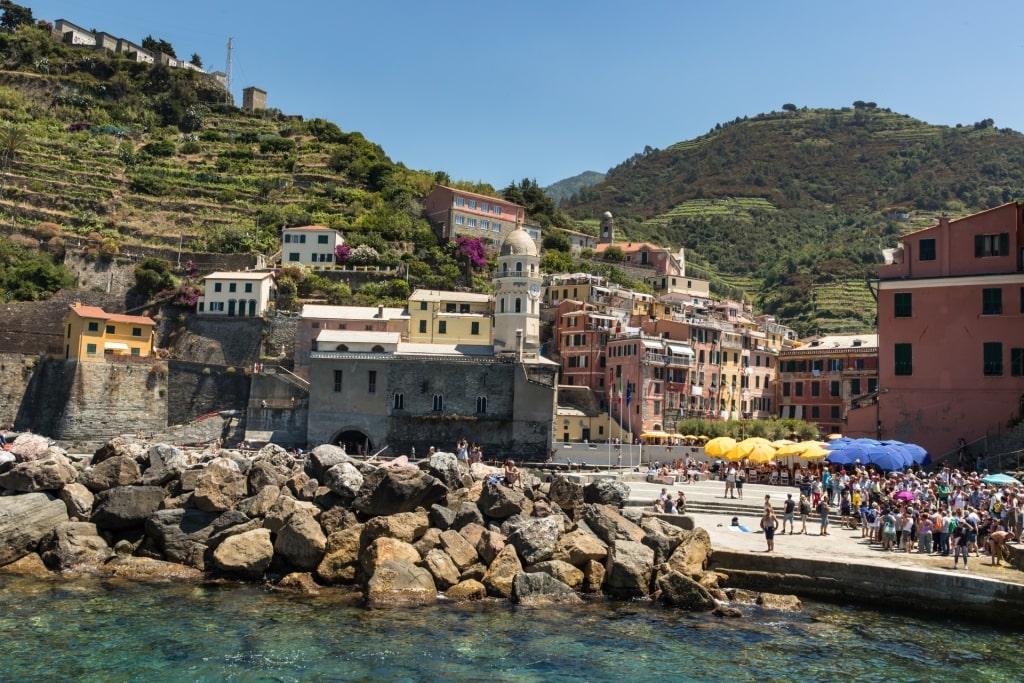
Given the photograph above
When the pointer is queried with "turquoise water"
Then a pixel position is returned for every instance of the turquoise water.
(89, 631)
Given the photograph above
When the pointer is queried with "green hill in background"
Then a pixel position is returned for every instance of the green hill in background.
(566, 188)
(796, 206)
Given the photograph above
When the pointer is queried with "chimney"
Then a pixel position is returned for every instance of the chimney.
(380, 312)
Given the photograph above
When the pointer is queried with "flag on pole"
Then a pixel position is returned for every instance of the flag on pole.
(629, 393)
(620, 390)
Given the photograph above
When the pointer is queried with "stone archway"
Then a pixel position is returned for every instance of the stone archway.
(354, 441)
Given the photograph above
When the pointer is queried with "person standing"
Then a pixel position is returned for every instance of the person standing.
(823, 511)
(960, 543)
(730, 482)
(805, 512)
(768, 523)
(788, 508)
(740, 478)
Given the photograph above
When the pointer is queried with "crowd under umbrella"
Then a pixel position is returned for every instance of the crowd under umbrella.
(719, 446)
(886, 455)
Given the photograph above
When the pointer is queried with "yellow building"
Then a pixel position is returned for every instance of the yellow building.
(92, 334)
(437, 317)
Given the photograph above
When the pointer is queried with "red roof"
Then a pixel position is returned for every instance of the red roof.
(99, 313)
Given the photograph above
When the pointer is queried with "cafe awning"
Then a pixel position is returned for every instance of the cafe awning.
(680, 350)
(115, 346)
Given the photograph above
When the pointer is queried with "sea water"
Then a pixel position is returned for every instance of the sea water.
(106, 631)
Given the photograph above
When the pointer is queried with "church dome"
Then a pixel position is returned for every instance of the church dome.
(518, 243)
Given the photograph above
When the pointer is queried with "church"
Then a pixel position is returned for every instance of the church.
(372, 392)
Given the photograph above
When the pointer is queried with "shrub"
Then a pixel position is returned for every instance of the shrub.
(159, 148)
(190, 148)
(148, 184)
(270, 145)
(206, 371)
(46, 231)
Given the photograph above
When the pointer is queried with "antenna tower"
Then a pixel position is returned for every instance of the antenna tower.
(227, 71)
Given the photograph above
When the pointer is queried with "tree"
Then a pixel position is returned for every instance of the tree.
(153, 275)
(789, 107)
(196, 60)
(13, 139)
(153, 45)
(13, 16)
(614, 254)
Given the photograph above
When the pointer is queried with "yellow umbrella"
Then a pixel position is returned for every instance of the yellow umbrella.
(782, 442)
(719, 446)
(833, 437)
(762, 454)
(744, 449)
(815, 452)
(793, 448)
(690, 436)
(703, 438)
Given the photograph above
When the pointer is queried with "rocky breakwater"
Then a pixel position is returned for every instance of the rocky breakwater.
(399, 533)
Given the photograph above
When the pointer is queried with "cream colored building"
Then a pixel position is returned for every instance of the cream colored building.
(236, 294)
(312, 246)
(439, 317)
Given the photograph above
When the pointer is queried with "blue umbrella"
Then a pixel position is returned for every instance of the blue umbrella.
(889, 458)
(999, 479)
(869, 452)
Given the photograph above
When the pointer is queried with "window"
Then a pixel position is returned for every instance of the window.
(337, 381)
(449, 308)
(815, 389)
(992, 301)
(459, 201)
(423, 327)
(136, 331)
(993, 359)
(855, 387)
(292, 256)
(248, 287)
(321, 239)
(423, 305)
(1017, 362)
(992, 245)
(135, 351)
(902, 304)
(799, 388)
(216, 306)
(835, 412)
(926, 250)
(90, 349)
(463, 308)
(872, 385)
(481, 404)
(472, 203)
(442, 327)
(94, 327)
(904, 357)
(474, 328)
(459, 220)
(371, 384)
(1022, 299)
(519, 305)
(484, 206)
(785, 388)
(815, 412)
(287, 239)
(833, 388)
(496, 210)
(657, 407)
(232, 287)
(438, 403)
(302, 239)
(110, 329)
(399, 401)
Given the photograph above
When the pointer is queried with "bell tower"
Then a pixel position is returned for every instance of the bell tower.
(517, 288)
(607, 235)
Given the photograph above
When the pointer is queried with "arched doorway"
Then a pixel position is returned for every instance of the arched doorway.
(354, 442)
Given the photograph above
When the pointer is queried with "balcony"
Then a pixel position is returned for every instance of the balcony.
(665, 359)
(727, 343)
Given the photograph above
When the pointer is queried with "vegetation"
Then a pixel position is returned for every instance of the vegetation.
(798, 204)
(741, 429)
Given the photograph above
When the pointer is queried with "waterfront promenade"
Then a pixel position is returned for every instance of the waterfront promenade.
(840, 545)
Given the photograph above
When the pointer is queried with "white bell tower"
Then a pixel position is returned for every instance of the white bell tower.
(517, 295)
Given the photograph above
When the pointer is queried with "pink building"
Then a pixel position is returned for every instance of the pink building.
(458, 213)
(951, 331)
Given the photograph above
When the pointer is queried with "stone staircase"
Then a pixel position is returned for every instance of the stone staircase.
(1006, 450)
(748, 509)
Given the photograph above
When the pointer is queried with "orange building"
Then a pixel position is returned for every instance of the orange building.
(92, 334)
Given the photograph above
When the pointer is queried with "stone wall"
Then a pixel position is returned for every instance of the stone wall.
(196, 389)
(113, 397)
(32, 392)
(235, 342)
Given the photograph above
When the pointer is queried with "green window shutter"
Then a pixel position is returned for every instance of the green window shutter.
(979, 246)
(1004, 243)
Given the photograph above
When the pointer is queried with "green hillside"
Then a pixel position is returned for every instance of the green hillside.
(803, 201)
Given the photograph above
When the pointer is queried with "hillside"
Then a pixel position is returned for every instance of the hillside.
(567, 187)
(796, 205)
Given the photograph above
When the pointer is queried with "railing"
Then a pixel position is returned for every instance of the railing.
(664, 359)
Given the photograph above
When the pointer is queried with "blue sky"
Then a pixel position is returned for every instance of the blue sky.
(497, 92)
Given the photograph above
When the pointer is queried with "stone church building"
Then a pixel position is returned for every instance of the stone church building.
(370, 391)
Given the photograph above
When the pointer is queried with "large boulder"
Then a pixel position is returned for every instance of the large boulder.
(610, 525)
(606, 492)
(165, 463)
(580, 546)
(50, 471)
(344, 479)
(441, 566)
(499, 576)
(120, 470)
(662, 537)
(560, 570)
(459, 549)
(540, 589)
(118, 447)
(184, 535)
(405, 526)
(490, 544)
(593, 576)
(535, 538)
(25, 520)
(341, 559)
(441, 516)
(629, 569)
(220, 486)
(78, 499)
(260, 504)
(271, 471)
(323, 458)
(27, 447)
(498, 501)
(787, 603)
(247, 554)
(126, 507)
(682, 591)
(75, 546)
(400, 582)
(690, 557)
(389, 490)
(445, 468)
(468, 589)
(385, 549)
(567, 494)
(301, 542)
(467, 513)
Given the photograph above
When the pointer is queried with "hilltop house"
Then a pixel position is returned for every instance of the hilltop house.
(237, 294)
(458, 213)
(312, 246)
(92, 334)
